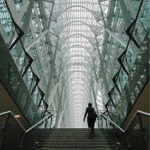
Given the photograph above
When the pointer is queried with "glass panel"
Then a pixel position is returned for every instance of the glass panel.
(132, 85)
(36, 96)
(12, 80)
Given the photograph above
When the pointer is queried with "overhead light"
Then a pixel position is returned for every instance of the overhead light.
(17, 116)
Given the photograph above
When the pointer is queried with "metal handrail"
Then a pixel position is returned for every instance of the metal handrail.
(16, 120)
(132, 119)
(9, 114)
(137, 114)
(113, 123)
(21, 126)
(39, 122)
(30, 115)
(30, 129)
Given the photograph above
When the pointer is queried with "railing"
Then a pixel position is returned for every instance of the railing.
(12, 131)
(139, 123)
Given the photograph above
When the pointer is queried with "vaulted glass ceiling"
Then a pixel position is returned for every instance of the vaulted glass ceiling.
(71, 52)
(77, 27)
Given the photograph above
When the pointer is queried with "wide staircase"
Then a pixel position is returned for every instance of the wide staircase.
(74, 139)
(78, 139)
(42, 136)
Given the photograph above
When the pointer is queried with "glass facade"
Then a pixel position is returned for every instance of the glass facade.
(61, 54)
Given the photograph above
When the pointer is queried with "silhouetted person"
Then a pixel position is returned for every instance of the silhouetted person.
(90, 119)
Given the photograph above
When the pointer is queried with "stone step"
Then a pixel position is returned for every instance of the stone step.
(77, 149)
(76, 140)
(71, 130)
(73, 137)
(77, 146)
(89, 149)
(74, 143)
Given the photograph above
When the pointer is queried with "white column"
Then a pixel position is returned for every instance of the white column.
(50, 17)
(51, 73)
(125, 13)
(25, 25)
(102, 68)
(102, 15)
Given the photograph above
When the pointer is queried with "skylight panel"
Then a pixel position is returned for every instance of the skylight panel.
(77, 24)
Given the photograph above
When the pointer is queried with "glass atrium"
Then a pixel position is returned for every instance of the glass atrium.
(63, 54)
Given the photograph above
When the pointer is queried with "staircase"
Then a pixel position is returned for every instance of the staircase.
(78, 139)
(74, 139)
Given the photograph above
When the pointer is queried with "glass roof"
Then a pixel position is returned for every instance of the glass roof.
(76, 51)
(78, 24)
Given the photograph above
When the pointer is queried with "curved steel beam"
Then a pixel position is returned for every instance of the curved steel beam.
(61, 13)
(87, 50)
(76, 22)
(69, 58)
(80, 83)
(69, 77)
(69, 65)
(64, 40)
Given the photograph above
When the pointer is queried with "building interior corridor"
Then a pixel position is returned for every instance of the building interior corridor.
(56, 56)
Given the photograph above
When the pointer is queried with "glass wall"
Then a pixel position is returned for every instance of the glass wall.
(12, 34)
(131, 71)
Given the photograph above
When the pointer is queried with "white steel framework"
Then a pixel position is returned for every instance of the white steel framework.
(75, 47)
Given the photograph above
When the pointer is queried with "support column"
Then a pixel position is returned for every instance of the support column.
(26, 22)
(93, 92)
(58, 125)
(59, 111)
(125, 13)
(94, 70)
(94, 95)
(102, 15)
(50, 17)
(51, 73)
(102, 69)
(50, 99)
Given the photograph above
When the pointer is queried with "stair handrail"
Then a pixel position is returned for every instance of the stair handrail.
(16, 120)
(20, 125)
(28, 130)
(9, 113)
(130, 122)
(31, 128)
(137, 114)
